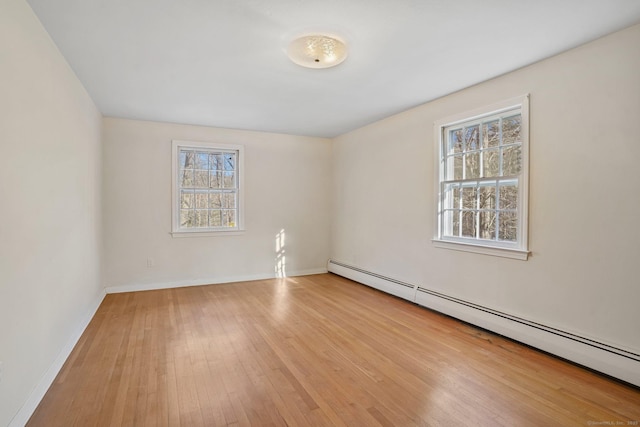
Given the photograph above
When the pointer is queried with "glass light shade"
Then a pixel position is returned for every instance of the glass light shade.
(317, 51)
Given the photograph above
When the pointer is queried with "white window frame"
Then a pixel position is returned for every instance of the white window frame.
(516, 250)
(176, 230)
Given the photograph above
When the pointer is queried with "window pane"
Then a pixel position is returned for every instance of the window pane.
(201, 218)
(471, 135)
(187, 180)
(472, 165)
(487, 225)
(511, 129)
(186, 199)
(468, 224)
(491, 162)
(511, 160)
(229, 180)
(215, 218)
(187, 159)
(229, 200)
(491, 134)
(456, 223)
(456, 197)
(454, 167)
(215, 200)
(202, 179)
(187, 218)
(508, 226)
(508, 197)
(215, 161)
(451, 226)
(229, 162)
(202, 160)
(202, 200)
(215, 179)
(455, 141)
(487, 197)
(229, 218)
(469, 197)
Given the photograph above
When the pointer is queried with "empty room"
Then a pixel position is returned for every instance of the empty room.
(297, 213)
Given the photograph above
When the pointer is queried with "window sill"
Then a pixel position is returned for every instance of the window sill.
(220, 233)
(480, 249)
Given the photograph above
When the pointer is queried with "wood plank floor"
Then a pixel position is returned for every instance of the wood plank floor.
(312, 351)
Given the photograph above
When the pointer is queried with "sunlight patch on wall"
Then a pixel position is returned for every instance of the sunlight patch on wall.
(281, 260)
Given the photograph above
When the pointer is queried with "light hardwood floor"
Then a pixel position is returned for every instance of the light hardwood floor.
(312, 351)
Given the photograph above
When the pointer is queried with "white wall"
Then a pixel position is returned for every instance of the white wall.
(50, 208)
(287, 188)
(584, 202)
(584, 196)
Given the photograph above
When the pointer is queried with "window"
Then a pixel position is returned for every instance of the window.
(483, 180)
(207, 188)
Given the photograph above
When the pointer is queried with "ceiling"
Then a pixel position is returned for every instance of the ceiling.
(223, 62)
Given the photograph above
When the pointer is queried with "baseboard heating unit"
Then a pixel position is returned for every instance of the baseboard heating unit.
(617, 362)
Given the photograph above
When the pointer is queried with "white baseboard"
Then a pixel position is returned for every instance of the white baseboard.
(385, 284)
(135, 287)
(23, 415)
(613, 360)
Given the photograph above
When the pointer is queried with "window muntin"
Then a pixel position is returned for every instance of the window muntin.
(207, 184)
(482, 178)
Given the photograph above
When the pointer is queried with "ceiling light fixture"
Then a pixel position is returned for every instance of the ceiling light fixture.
(317, 51)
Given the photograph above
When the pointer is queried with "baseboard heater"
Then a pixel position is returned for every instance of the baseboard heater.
(606, 358)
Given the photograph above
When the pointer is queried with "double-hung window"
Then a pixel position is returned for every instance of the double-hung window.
(207, 188)
(483, 180)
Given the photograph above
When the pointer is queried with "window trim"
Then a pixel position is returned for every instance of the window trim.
(518, 250)
(176, 231)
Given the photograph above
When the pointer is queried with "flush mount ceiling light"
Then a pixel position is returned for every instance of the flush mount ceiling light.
(317, 51)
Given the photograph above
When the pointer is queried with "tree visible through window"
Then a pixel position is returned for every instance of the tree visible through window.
(206, 191)
(482, 181)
